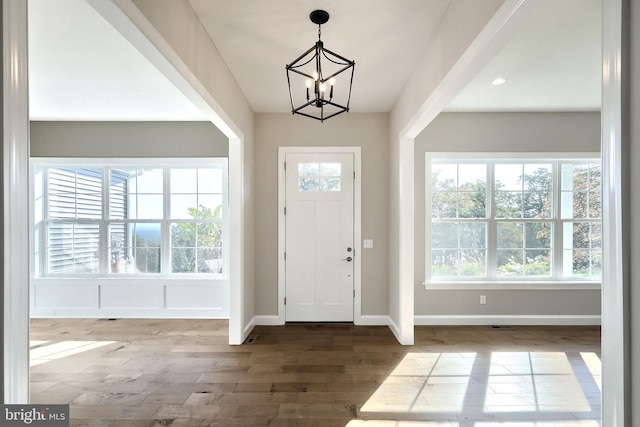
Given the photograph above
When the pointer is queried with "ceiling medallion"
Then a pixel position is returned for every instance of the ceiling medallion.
(314, 89)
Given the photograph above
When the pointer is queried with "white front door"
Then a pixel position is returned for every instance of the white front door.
(319, 238)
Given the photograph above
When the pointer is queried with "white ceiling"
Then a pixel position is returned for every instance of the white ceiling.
(257, 38)
(553, 64)
(82, 69)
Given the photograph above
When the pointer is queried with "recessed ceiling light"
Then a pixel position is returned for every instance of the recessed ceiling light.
(499, 81)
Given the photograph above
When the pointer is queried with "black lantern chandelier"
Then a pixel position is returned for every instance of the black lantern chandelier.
(313, 87)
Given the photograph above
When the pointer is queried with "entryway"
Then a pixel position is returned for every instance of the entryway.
(318, 234)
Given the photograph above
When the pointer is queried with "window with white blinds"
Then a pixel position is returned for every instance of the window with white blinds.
(126, 219)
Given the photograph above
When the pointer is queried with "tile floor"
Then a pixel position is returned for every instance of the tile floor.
(146, 372)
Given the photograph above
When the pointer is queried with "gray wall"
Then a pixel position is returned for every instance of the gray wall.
(500, 132)
(127, 139)
(369, 131)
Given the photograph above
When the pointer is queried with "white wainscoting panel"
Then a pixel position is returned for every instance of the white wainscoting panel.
(130, 297)
(65, 296)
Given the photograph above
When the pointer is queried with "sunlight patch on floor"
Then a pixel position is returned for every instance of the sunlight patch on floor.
(594, 365)
(47, 353)
(502, 384)
(423, 383)
(527, 382)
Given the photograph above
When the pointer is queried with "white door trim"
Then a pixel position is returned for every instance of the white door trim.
(357, 224)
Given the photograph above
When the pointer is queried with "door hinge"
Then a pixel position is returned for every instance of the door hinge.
(285, 300)
(285, 165)
(354, 175)
(285, 256)
(354, 294)
(285, 210)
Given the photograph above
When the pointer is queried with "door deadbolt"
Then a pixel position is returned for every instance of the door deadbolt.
(349, 249)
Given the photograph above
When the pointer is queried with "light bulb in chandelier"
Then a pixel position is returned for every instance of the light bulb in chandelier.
(308, 83)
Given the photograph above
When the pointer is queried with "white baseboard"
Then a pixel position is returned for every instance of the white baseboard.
(373, 320)
(248, 328)
(524, 320)
(268, 321)
(396, 331)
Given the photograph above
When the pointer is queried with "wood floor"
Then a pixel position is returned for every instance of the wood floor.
(144, 372)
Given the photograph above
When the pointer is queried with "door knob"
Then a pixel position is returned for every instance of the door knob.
(348, 259)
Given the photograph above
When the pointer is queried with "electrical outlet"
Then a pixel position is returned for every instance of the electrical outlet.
(483, 299)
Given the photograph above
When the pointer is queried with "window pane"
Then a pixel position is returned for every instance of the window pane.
(510, 263)
(510, 235)
(210, 260)
(595, 207)
(136, 193)
(74, 193)
(210, 180)
(73, 248)
(183, 260)
(444, 205)
(148, 181)
(444, 263)
(596, 235)
(581, 235)
(181, 205)
(148, 206)
(183, 180)
(524, 249)
(582, 249)
(538, 194)
(473, 263)
(196, 247)
(538, 235)
(473, 235)
(444, 177)
(508, 204)
(459, 191)
(331, 169)
(471, 176)
(537, 263)
(135, 247)
(330, 184)
(207, 205)
(581, 190)
(586, 263)
(473, 205)
(465, 252)
(147, 260)
(308, 169)
(118, 187)
(580, 204)
(308, 184)
(508, 177)
(444, 235)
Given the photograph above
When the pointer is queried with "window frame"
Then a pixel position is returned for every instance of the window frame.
(491, 281)
(40, 215)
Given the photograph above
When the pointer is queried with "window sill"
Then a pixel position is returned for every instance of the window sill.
(514, 285)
